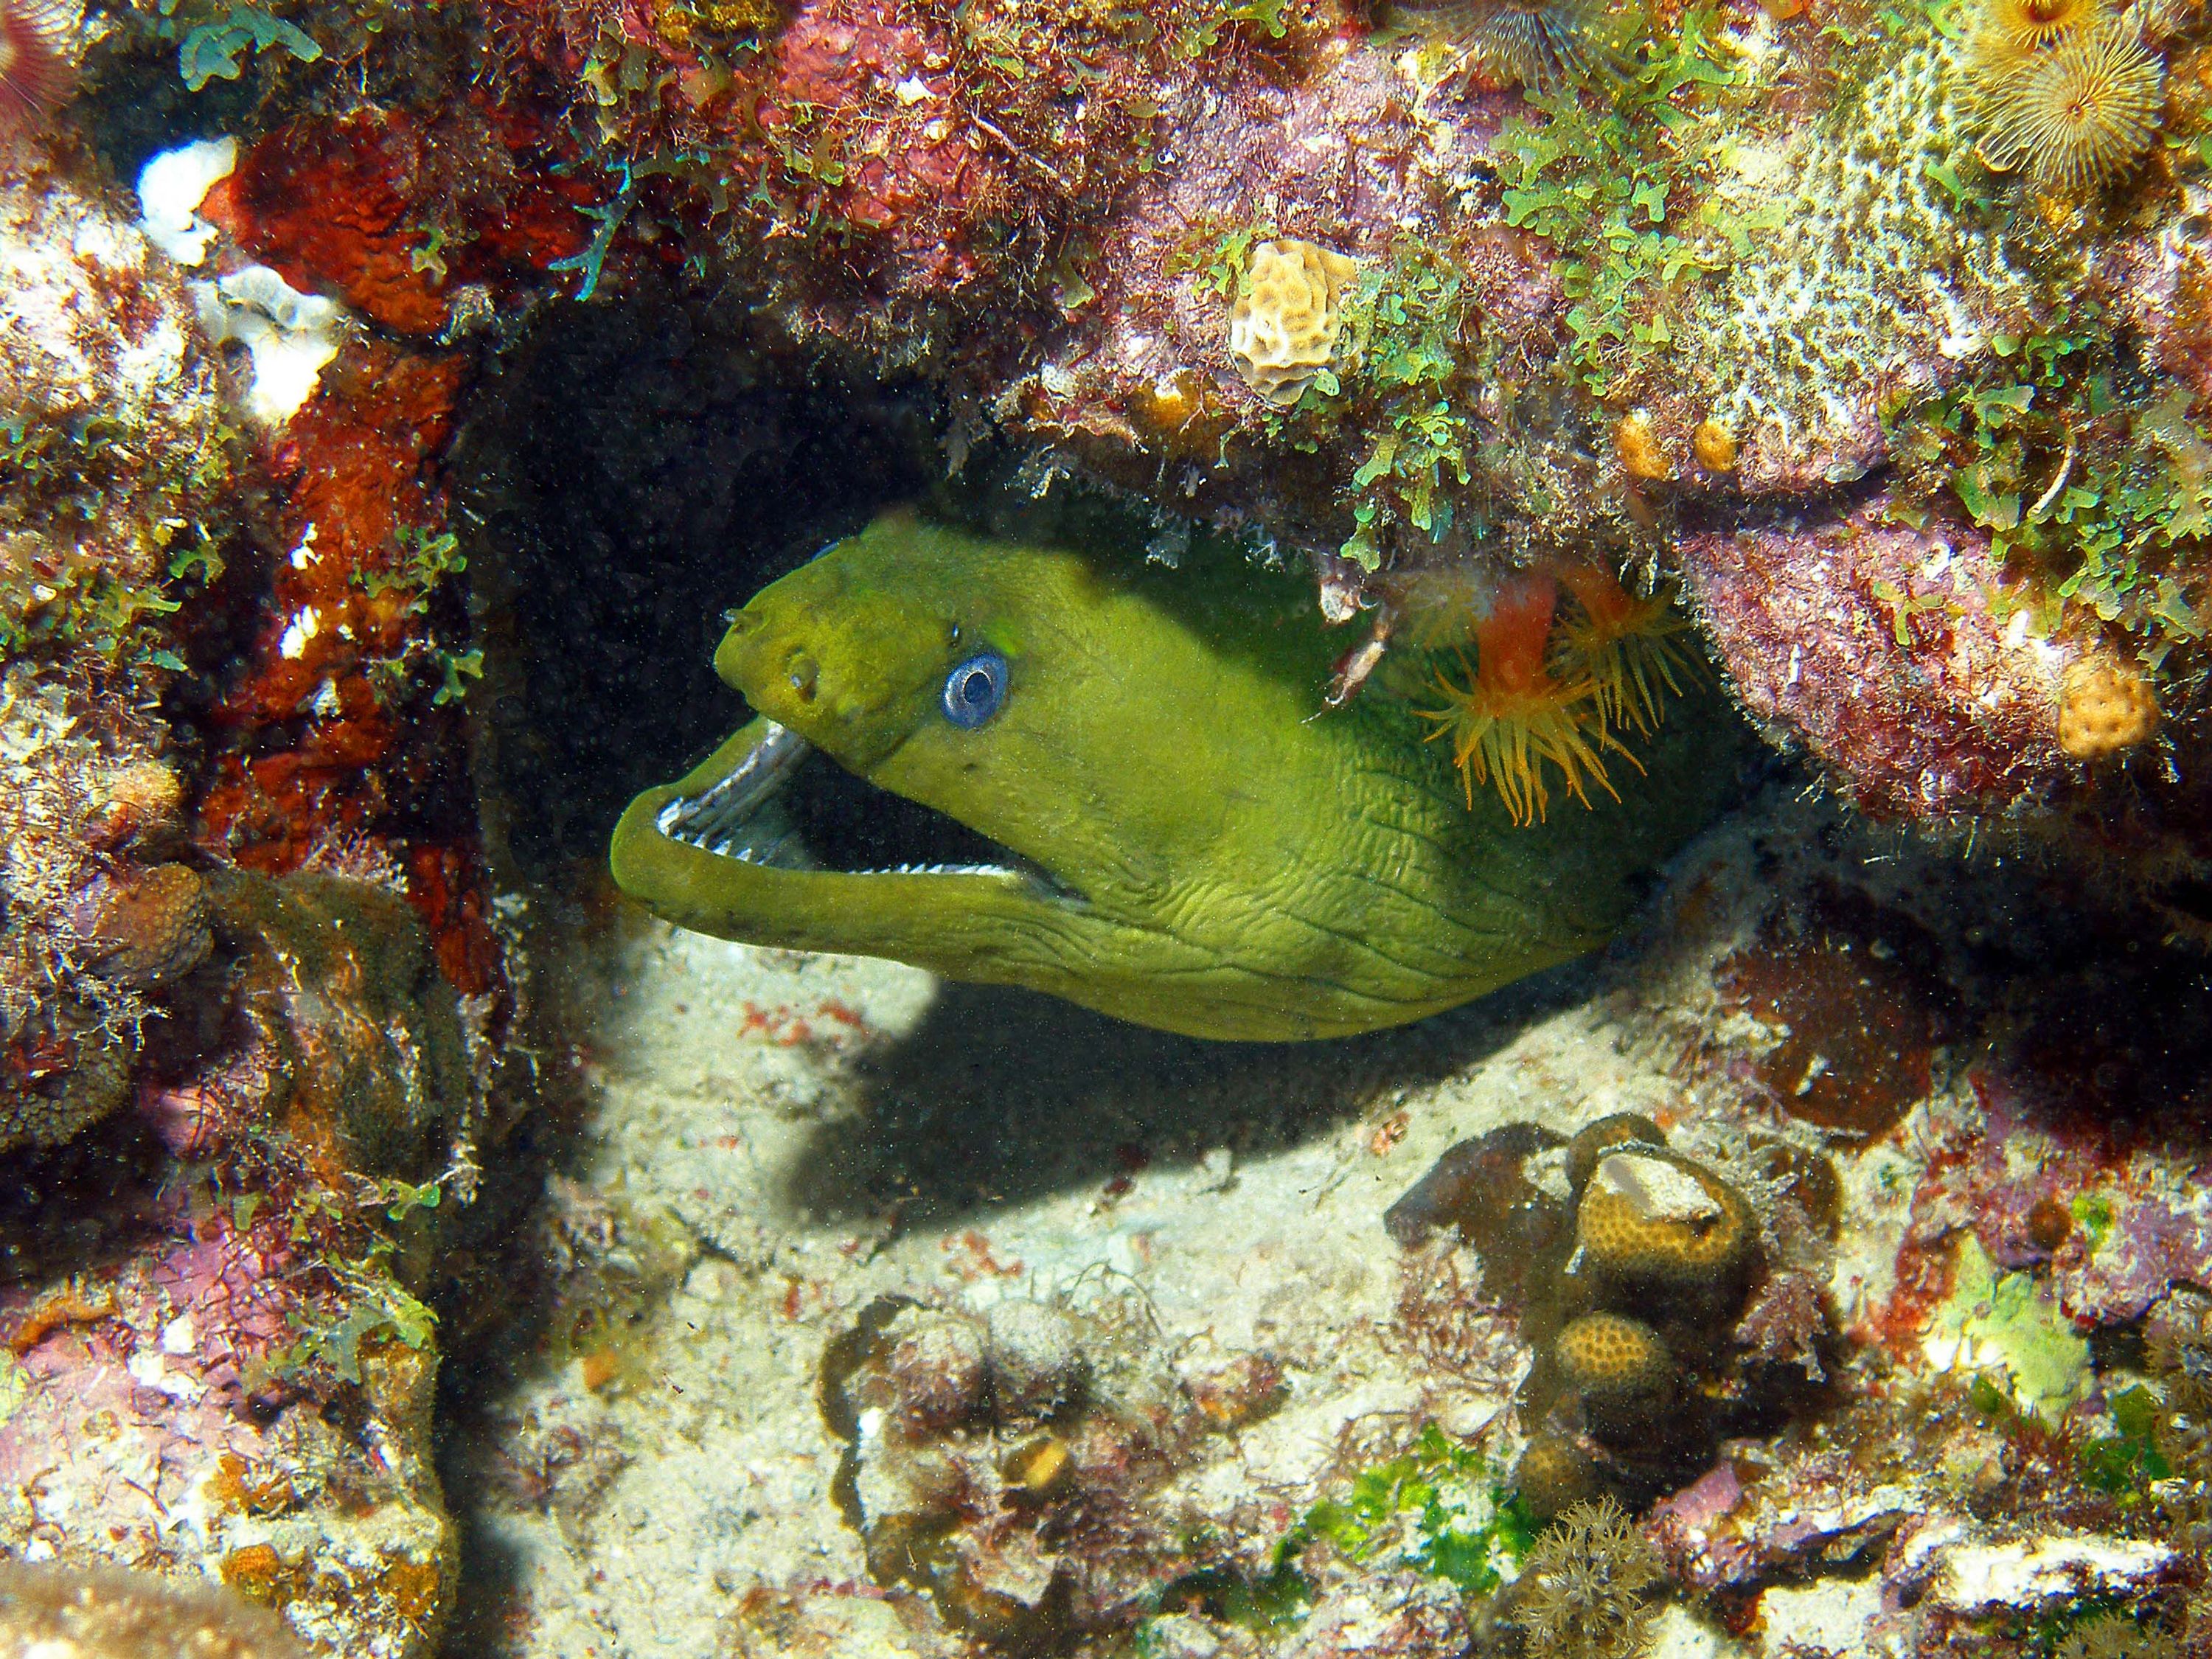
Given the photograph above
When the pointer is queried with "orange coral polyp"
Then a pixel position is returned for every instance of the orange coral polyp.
(1515, 638)
(1511, 716)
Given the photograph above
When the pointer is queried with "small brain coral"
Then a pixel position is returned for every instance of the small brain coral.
(1584, 1592)
(1288, 314)
(2106, 706)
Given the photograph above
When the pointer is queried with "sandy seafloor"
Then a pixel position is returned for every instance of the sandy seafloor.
(828, 1129)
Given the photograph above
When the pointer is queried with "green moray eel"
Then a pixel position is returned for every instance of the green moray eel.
(1149, 810)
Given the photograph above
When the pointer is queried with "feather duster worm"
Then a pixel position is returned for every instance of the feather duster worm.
(2079, 114)
(36, 67)
(1539, 43)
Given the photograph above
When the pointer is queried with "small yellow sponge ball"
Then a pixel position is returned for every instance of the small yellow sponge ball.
(2107, 705)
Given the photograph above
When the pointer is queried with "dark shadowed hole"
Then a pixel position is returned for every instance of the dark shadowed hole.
(632, 472)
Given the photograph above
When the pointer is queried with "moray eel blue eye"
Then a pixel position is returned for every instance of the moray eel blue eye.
(974, 691)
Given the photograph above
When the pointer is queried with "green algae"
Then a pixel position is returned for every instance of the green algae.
(2089, 475)
(2008, 1330)
(66, 481)
(2125, 1463)
(1443, 1509)
(210, 49)
(1609, 189)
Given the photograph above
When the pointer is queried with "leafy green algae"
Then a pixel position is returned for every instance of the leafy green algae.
(1607, 188)
(2006, 1329)
(1442, 1509)
(2093, 483)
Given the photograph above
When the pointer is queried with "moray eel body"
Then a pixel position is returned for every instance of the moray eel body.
(1137, 798)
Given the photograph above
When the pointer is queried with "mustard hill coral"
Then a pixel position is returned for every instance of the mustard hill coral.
(1652, 1219)
(1608, 1134)
(1288, 313)
(1554, 1475)
(1663, 1318)
(1619, 1367)
(2078, 114)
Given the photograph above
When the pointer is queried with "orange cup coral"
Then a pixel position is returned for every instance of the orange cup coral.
(1511, 717)
(1622, 645)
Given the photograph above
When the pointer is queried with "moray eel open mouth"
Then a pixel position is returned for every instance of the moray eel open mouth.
(784, 805)
(1119, 785)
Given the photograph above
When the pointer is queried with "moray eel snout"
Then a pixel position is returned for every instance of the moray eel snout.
(1120, 786)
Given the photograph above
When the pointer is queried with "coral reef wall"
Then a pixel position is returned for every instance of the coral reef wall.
(1746, 286)
(1840, 323)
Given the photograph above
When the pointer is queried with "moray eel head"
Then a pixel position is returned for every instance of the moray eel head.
(964, 692)
(1020, 765)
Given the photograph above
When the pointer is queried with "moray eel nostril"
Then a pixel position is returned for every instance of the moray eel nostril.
(1120, 785)
(800, 672)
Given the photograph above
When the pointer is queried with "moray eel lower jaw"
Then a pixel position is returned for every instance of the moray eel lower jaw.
(736, 849)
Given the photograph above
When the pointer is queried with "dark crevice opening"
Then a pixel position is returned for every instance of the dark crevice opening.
(632, 472)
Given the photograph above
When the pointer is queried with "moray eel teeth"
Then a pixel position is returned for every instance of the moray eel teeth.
(748, 815)
(720, 819)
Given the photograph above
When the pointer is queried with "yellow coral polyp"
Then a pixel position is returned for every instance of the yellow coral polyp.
(1623, 647)
(1511, 717)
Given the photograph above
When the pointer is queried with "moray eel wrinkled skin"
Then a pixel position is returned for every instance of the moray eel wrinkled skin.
(1180, 833)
